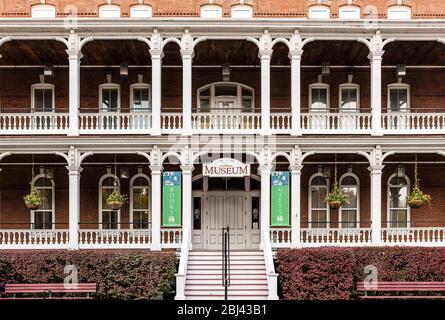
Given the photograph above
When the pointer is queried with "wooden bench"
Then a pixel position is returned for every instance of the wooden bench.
(47, 290)
(413, 288)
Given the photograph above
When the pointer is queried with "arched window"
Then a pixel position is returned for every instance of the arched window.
(140, 217)
(226, 97)
(109, 11)
(349, 12)
(44, 217)
(43, 11)
(319, 12)
(211, 11)
(140, 11)
(108, 218)
(398, 209)
(318, 207)
(399, 13)
(349, 216)
(242, 11)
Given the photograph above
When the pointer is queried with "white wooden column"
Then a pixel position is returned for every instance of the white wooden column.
(187, 171)
(264, 171)
(295, 58)
(265, 56)
(74, 57)
(74, 206)
(156, 213)
(187, 57)
(376, 203)
(376, 92)
(295, 204)
(156, 83)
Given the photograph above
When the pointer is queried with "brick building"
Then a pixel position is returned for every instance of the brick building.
(195, 109)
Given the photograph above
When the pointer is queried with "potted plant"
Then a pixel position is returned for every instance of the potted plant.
(336, 198)
(116, 200)
(34, 199)
(417, 197)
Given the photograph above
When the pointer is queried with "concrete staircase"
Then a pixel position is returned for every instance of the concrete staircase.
(247, 274)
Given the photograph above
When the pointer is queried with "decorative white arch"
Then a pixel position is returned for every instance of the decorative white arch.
(132, 187)
(53, 202)
(328, 214)
(357, 208)
(388, 202)
(118, 212)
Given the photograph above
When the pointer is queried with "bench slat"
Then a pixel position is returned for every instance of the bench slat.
(401, 286)
(12, 288)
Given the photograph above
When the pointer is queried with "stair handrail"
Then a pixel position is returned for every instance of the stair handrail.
(272, 276)
(182, 269)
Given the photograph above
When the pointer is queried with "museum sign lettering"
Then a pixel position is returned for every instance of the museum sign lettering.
(226, 168)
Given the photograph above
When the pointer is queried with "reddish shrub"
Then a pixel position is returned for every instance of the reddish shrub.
(331, 273)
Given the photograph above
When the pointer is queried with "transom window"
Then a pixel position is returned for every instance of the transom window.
(109, 11)
(319, 12)
(226, 97)
(319, 97)
(140, 217)
(242, 12)
(398, 210)
(43, 217)
(211, 11)
(399, 13)
(42, 97)
(349, 213)
(349, 97)
(109, 96)
(349, 13)
(108, 218)
(140, 11)
(43, 11)
(318, 207)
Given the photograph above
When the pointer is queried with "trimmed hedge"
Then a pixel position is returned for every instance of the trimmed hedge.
(332, 273)
(119, 274)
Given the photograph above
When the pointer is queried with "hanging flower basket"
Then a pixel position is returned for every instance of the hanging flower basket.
(34, 199)
(116, 200)
(418, 198)
(336, 198)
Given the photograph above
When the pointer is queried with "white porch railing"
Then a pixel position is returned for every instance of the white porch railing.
(114, 238)
(34, 123)
(33, 239)
(171, 238)
(335, 237)
(115, 123)
(281, 122)
(171, 122)
(339, 123)
(414, 123)
(226, 122)
(414, 236)
(281, 237)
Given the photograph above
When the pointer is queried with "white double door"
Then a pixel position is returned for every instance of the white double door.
(228, 209)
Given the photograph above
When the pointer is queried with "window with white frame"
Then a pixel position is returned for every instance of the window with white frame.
(140, 217)
(42, 97)
(349, 13)
(350, 212)
(398, 209)
(211, 11)
(140, 97)
(319, 12)
(318, 207)
(109, 11)
(319, 97)
(399, 98)
(140, 11)
(43, 11)
(242, 11)
(226, 97)
(43, 217)
(349, 97)
(109, 97)
(399, 13)
(108, 217)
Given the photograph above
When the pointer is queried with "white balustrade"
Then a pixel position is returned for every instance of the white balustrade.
(114, 238)
(226, 122)
(115, 123)
(335, 237)
(281, 122)
(415, 123)
(280, 237)
(33, 239)
(34, 123)
(339, 123)
(171, 238)
(171, 122)
(414, 236)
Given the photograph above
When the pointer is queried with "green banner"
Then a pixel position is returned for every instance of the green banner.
(171, 199)
(280, 199)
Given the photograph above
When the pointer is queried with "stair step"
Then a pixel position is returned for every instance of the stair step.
(232, 267)
(233, 286)
(217, 282)
(219, 258)
(232, 253)
(218, 272)
(232, 262)
(213, 292)
(221, 297)
(250, 277)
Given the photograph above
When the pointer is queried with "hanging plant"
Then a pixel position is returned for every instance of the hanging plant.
(34, 199)
(336, 198)
(417, 197)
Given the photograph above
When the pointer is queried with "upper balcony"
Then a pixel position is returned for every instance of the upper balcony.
(228, 88)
